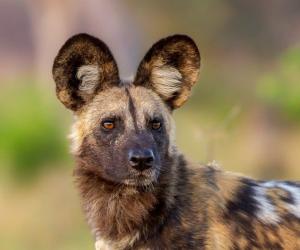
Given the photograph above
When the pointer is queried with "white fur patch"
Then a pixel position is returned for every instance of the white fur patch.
(214, 164)
(166, 80)
(89, 77)
(293, 191)
(127, 241)
(102, 245)
(266, 212)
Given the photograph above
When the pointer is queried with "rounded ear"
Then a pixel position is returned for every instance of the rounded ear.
(170, 68)
(84, 66)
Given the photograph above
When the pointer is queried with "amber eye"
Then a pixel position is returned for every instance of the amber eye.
(155, 125)
(109, 125)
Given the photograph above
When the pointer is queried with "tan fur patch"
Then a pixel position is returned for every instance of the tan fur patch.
(219, 237)
(64, 96)
(228, 184)
(78, 132)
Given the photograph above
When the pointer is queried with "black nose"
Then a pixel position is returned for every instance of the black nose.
(141, 159)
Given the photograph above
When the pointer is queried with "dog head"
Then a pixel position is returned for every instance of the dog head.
(124, 132)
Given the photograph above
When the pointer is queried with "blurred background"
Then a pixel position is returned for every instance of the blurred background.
(244, 113)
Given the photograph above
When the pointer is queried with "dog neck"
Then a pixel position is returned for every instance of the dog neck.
(115, 211)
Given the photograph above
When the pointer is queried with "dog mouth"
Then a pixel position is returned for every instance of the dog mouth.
(143, 179)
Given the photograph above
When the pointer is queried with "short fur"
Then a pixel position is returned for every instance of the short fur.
(174, 204)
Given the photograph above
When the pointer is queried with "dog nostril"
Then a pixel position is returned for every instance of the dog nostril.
(149, 160)
(141, 159)
(134, 160)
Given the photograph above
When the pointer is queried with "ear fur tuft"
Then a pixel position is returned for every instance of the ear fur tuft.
(166, 81)
(88, 75)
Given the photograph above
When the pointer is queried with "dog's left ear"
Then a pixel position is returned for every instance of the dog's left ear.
(170, 68)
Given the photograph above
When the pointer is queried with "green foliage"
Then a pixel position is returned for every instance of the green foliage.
(31, 136)
(281, 88)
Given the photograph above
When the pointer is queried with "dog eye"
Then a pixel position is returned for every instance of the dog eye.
(108, 125)
(155, 124)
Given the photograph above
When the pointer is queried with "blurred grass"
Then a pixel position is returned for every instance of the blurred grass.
(281, 88)
(32, 134)
(44, 216)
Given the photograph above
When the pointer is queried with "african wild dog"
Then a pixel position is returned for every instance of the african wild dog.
(138, 191)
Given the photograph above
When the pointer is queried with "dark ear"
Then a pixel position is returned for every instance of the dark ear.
(170, 68)
(83, 67)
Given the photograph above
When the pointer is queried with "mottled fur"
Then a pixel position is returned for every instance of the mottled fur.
(174, 204)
